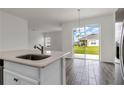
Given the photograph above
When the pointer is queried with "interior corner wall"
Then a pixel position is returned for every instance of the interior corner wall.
(107, 35)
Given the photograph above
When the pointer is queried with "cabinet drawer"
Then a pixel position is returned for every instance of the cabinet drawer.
(12, 78)
(25, 70)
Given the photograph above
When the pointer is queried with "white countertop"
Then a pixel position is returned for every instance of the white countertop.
(11, 57)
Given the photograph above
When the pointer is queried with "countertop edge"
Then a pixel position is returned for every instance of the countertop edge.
(36, 66)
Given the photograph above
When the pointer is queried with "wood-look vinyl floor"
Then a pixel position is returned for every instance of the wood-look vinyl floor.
(92, 72)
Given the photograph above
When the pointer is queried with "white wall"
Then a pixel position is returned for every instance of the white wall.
(37, 37)
(37, 32)
(45, 27)
(56, 40)
(14, 32)
(107, 36)
(0, 31)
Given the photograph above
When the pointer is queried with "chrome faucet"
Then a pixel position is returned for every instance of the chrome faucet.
(41, 49)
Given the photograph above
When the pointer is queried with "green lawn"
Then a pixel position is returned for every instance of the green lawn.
(86, 50)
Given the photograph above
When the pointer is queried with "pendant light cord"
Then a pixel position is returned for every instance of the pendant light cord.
(79, 20)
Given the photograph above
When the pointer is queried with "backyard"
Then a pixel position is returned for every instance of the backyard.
(94, 50)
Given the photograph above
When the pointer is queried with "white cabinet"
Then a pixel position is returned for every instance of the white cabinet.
(19, 74)
(12, 78)
(52, 74)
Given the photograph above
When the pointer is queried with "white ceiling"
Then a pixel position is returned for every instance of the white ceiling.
(56, 15)
(50, 19)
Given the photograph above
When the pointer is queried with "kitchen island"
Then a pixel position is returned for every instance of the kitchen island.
(49, 71)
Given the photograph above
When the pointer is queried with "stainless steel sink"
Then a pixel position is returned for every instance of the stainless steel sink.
(33, 57)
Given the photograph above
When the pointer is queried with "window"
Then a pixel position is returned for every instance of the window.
(47, 41)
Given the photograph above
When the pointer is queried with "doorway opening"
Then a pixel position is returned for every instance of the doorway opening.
(86, 42)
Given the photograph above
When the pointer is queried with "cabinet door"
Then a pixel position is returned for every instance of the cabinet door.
(28, 81)
(12, 78)
(24, 82)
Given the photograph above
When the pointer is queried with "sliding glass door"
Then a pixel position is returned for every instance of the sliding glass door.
(86, 42)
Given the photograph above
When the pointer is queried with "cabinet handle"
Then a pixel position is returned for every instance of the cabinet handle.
(15, 79)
